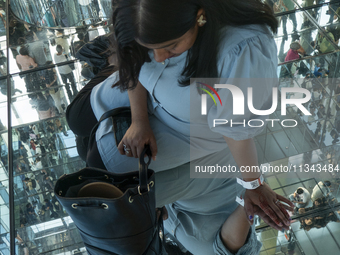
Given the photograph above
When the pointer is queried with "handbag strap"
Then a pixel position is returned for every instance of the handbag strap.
(143, 170)
(108, 114)
(143, 166)
(113, 112)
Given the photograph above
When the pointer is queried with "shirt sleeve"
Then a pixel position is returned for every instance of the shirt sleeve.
(252, 63)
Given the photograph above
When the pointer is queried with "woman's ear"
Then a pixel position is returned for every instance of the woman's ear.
(201, 18)
(200, 12)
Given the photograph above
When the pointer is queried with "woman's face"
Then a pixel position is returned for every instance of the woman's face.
(173, 48)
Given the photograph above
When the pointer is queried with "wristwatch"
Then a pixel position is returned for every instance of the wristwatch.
(252, 184)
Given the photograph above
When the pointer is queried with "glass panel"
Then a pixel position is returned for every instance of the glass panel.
(44, 147)
(316, 216)
(281, 6)
(60, 13)
(4, 141)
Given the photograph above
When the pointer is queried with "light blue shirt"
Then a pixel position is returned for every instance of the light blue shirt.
(247, 58)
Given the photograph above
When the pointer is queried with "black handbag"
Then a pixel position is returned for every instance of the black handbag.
(119, 218)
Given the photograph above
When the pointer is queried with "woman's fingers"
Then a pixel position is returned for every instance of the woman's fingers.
(283, 216)
(162, 211)
(287, 201)
(121, 148)
(267, 219)
(133, 152)
(286, 207)
(125, 149)
(283, 210)
(128, 150)
(268, 211)
(153, 147)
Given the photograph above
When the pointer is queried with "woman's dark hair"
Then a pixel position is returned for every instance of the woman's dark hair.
(59, 48)
(158, 21)
(299, 191)
(23, 51)
(327, 183)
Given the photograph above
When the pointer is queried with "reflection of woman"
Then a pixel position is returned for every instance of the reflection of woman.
(172, 42)
(24, 61)
(44, 105)
(50, 80)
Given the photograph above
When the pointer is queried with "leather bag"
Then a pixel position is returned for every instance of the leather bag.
(114, 213)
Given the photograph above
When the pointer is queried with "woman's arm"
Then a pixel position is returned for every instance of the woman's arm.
(263, 197)
(138, 103)
(139, 134)
(244, 153)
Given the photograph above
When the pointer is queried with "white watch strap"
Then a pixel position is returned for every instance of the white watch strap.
(252, 184)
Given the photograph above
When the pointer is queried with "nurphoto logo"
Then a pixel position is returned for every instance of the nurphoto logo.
(239, 104)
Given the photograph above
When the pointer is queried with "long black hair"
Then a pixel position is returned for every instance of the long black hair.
(158, 21)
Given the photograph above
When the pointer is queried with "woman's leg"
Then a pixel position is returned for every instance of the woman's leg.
(235, 230)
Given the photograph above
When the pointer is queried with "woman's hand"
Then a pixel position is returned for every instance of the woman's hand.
(136, 137)
(264, 202)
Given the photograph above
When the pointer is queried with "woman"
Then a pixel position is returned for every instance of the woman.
(161, 45)
(49, 79)
(24, 63)
(45, 106)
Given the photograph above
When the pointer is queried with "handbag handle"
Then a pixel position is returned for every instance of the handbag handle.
(108, 114)
(143, 170)
(143, 166)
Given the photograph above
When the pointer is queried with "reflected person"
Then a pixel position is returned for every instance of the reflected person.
(66, 73)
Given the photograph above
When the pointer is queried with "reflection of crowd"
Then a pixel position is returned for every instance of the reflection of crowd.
(325, 95)
(283, 6)
(37, 168)
(300, 197)
(40, 157)
(46, 95)
(30, 47)
(319, 220)
(33, 52)
(38, 162)
(320, 198)
(66, 72)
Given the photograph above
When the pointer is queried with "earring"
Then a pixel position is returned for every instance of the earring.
(201, 21)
